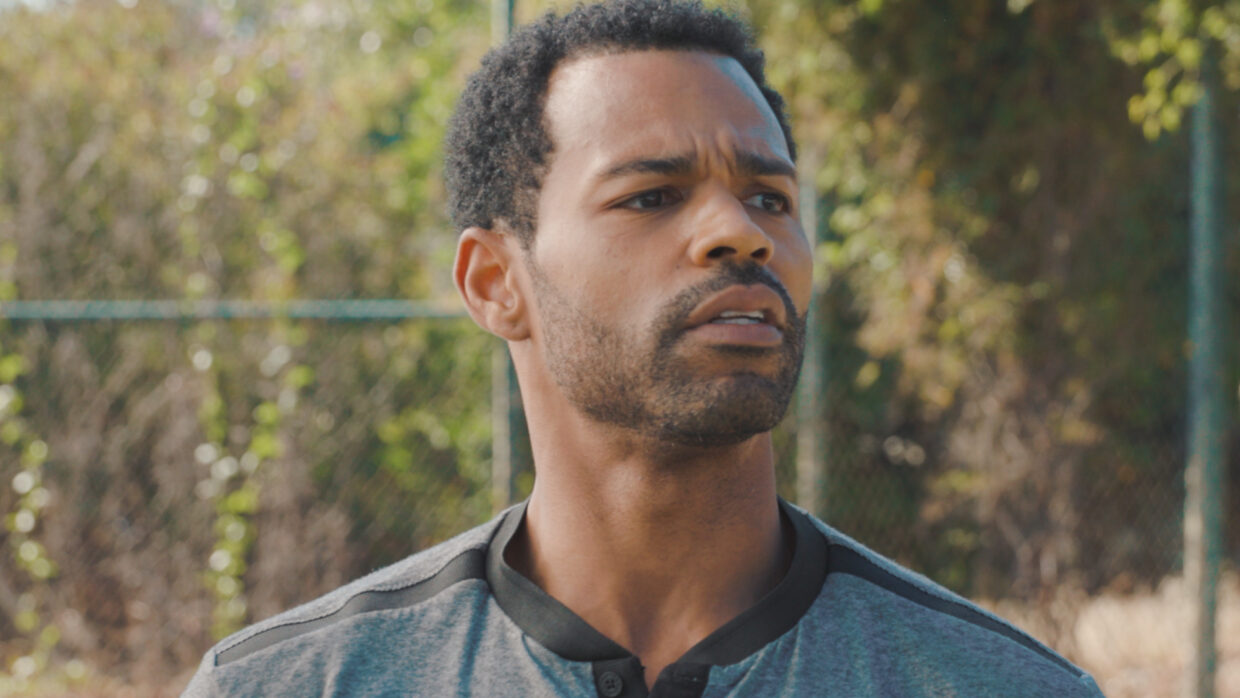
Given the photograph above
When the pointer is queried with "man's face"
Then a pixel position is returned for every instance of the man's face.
(670, 272)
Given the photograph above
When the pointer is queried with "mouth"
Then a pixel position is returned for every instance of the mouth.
(740, 305)
(740, 316)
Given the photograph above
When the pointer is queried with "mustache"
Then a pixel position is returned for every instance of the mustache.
(675, 314)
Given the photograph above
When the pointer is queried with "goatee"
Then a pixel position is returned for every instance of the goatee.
(616, 378)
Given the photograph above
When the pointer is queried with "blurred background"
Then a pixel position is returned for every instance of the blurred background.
(998, 388)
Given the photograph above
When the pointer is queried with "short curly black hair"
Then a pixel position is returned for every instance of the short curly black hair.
(497, 146)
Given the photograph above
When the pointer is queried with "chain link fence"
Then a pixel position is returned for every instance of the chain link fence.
(169, 481)
(166, 482)
(996, 396)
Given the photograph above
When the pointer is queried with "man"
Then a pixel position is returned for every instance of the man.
(624, 184)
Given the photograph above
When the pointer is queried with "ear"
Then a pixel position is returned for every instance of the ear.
(486, 278)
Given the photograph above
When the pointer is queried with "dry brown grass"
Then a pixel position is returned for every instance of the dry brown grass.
(1135, 645)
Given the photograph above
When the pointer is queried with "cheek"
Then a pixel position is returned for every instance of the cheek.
(605, 275)
(604, 290)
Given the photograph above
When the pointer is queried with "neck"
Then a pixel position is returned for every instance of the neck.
(652, 545)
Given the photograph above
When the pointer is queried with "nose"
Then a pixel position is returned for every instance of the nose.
(725, 231)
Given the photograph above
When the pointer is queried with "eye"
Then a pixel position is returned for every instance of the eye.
(655, 198)
(770, 202)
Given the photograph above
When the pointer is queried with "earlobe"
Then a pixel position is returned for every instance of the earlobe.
(485, 278)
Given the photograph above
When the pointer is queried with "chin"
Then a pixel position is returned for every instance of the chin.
(735, 410)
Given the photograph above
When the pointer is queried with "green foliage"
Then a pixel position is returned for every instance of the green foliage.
(29, 614)
(1171, 40)
(32, 498)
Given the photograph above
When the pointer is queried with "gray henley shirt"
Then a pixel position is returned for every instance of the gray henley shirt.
(456, 620)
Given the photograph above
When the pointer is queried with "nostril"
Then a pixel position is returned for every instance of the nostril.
(720, 251)
(761, 254)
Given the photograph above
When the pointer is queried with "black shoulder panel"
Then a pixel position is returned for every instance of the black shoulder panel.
(848, 561)
(470, 564)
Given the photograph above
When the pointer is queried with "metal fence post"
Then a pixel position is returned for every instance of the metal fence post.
(811, 444)
(501, 428)
(1203, 516)
(505, 398)
(501, 20)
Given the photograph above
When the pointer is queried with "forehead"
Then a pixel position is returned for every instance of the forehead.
(614, 106)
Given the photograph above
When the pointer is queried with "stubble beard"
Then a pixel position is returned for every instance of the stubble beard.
(640, 383)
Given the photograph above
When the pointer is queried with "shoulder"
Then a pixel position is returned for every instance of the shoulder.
(890, 611)
(409, 590)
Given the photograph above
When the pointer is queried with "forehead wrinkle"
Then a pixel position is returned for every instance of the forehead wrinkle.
(739, 162)
(593, 117)
(672, 165)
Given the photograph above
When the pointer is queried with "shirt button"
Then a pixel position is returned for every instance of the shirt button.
(610, 684)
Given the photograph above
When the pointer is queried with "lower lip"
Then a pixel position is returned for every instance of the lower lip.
(752, 335)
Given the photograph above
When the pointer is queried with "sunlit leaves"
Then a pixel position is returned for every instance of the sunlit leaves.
(1169, 46)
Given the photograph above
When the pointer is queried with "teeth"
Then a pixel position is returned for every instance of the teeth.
(739, 317)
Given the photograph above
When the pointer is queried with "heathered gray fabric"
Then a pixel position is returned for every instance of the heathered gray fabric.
(858, 639)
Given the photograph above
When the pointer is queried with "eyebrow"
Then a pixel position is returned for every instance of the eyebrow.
(748, 163)
(755, 165)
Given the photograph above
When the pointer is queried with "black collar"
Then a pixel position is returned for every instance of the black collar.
(556, 627)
